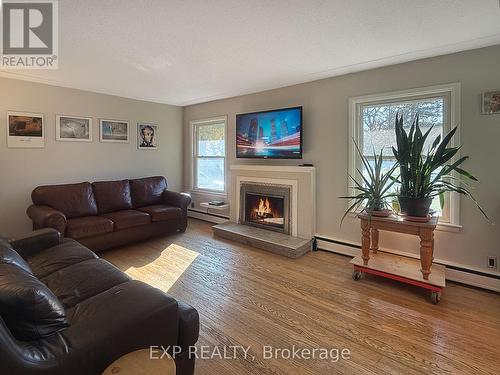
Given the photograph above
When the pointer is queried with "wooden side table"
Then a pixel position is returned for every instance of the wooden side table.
(397, 267)
(370, 225)
(141, 363)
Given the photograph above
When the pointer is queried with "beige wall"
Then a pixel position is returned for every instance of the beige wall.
(325, 105)
(60, 162)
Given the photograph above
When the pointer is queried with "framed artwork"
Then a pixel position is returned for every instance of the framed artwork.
(490, 102)
(147, 136)
(113, 131)
(25, 130)
(73, 128)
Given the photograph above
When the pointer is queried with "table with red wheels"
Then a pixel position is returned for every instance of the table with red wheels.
(404, 269)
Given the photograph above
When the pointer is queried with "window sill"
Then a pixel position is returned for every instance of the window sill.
(442, 227)
(448, 227)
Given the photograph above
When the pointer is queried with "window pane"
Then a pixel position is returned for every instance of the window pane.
(378, 122)
(211, 140)
(210, 174)
(378, 128)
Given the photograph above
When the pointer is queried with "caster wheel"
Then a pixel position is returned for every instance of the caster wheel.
(356, 275)
(435, 297)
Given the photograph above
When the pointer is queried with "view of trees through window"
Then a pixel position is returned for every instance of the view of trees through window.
(378, 127)
(210, 156)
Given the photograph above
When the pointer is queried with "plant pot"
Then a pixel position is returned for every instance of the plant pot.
(376, 205)
(418, 207)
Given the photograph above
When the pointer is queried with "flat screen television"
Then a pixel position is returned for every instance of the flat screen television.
(275, 134)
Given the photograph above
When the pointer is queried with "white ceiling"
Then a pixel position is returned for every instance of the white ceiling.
(191, 51)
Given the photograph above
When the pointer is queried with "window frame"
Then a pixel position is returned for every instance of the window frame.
(195, 125)
(451, 93)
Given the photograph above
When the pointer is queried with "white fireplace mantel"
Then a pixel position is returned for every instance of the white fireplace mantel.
(273, 168)
(302, 181)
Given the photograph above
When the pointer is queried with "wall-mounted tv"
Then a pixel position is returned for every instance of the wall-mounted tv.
(275, 134)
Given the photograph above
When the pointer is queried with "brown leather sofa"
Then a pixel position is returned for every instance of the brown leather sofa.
(63, 310)
(106, 214)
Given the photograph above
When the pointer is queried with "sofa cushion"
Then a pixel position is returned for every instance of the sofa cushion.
(160, 212)
(112, 196)
(83, 280)
(147, 191)
(127, 317)
(53, 259)
(9, 256)
(73, 200)
(128, 218)
(28, 307)
(88, 226)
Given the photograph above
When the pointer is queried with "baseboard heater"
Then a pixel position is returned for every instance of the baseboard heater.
(207, 213)
(458, 274)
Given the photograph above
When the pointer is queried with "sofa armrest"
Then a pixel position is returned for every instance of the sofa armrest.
(180, 200)
(47, 217)
(33, 242)
(189, 325)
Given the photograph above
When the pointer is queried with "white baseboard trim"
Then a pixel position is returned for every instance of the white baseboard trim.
(206, 217)
(464, 275)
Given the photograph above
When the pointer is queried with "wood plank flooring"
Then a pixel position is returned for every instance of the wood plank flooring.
(249, 297)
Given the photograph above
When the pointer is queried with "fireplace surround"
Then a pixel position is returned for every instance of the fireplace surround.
(300, 181)
(265, 206)
(290, 188)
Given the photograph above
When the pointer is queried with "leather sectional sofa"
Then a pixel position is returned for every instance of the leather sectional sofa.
(106, 214)
(63, 310)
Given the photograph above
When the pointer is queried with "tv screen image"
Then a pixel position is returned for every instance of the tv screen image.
(275, 134)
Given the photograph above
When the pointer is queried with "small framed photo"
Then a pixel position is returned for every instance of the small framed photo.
(113, 131)
(25, 130)
(73, 128)
(490, 102)
(147, 136)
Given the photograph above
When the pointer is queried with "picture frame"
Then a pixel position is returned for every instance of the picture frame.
(116, 131)
(73, 128)
(490, 102)
(147, 136)
(25, 130)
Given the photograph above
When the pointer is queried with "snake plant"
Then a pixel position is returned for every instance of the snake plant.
(430, 174)
(374, 189)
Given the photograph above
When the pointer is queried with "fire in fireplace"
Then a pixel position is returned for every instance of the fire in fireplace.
(266, 210)
(266, 206)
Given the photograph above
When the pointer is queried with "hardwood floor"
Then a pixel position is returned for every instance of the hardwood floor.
(253, 298)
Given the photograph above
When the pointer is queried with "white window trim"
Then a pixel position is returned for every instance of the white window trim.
(192, 126)
(450, 89)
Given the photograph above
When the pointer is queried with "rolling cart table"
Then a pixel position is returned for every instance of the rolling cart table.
(404, 269)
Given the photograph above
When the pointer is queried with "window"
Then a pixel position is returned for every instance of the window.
(372, 126)
(209, 161)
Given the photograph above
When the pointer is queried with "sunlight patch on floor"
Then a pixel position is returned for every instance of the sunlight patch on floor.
(165, 270)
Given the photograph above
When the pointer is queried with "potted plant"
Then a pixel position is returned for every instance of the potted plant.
(425, 175)
(373, 189)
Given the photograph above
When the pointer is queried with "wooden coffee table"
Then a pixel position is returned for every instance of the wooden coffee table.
(141, 363)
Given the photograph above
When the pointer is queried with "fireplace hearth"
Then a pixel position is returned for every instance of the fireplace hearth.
(266, 206)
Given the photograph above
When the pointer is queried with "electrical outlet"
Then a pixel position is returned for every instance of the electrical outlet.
(492, 262)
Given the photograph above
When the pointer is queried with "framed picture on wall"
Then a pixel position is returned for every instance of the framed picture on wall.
(147, 136)
(490, 102)
(73, 128)
(25, 130)
(113, 131)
